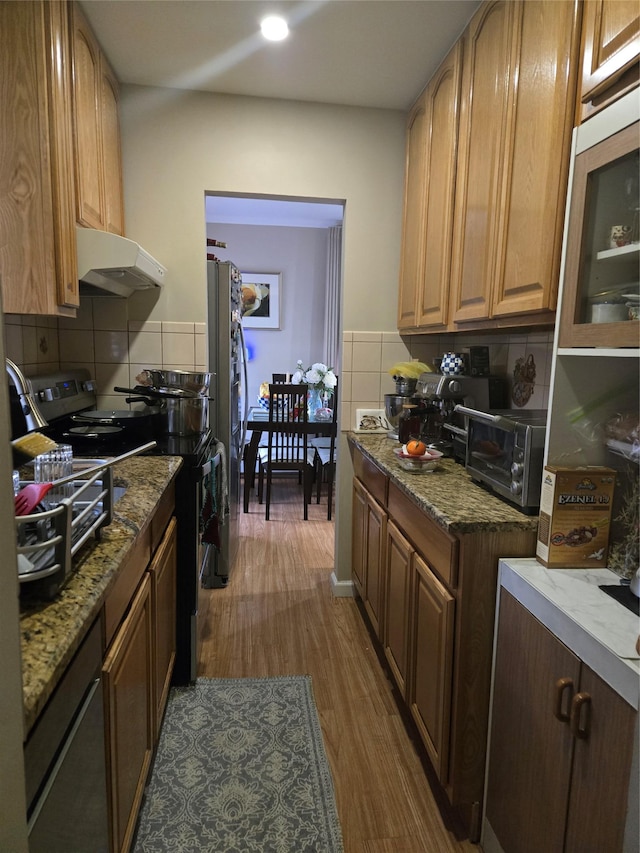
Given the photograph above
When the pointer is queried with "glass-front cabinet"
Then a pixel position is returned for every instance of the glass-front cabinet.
(594, 416)
(601, 300)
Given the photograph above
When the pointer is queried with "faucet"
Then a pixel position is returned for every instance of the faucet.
(32, 415)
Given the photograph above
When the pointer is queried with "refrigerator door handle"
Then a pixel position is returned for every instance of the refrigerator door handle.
(245, 401)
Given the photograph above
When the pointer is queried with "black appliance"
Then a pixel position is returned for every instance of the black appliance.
(64, 758)
(61, 396)
(446, 392)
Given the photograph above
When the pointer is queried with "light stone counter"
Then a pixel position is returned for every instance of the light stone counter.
(51, 633)
(447, 494)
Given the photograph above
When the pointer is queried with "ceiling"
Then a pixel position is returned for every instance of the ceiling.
(360, 53)
(365, 53)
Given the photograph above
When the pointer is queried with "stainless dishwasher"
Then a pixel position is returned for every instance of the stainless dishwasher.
(65, 761)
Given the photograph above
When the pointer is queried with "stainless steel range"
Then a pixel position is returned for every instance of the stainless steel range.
(67, 399)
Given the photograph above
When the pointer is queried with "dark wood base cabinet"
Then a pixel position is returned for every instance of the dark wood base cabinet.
(561, 746)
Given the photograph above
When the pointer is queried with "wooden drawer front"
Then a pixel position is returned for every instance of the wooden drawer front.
(436, 546)
(372, 477)
(162, 515)
(125, 585)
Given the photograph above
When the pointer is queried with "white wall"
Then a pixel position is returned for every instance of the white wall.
(177, 145)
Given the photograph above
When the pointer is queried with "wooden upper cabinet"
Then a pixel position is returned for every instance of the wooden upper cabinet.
(518, 95)
(112, 159)
(432, 137)
(443, 96)
(38, 266)
(97, 132)
(539, 127)
(413, 214)
(483, 124)
(610, 53)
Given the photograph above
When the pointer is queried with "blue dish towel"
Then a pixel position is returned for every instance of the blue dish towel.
(215, 507)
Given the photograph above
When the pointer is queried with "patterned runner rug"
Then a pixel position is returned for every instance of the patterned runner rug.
(240, 768)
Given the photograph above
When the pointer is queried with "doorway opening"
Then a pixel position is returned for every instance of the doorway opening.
(297, 244)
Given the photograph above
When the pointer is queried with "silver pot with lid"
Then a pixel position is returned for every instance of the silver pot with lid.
(183, 412)
(191, 381)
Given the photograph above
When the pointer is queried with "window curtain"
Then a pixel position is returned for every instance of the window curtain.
(332, 296)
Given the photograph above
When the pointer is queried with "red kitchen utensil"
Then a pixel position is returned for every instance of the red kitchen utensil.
(29, 497)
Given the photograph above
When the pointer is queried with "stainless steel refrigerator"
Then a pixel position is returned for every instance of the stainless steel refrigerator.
(229, 409)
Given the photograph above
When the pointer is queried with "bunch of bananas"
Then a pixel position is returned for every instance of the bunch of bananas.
(409, 369)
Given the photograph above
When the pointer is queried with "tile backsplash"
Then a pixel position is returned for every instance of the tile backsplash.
(367, 356)
(114, 349)
(103, 339)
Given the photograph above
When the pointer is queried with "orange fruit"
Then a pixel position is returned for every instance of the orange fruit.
(416, 448)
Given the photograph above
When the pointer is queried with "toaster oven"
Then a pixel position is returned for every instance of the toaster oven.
(505, 452)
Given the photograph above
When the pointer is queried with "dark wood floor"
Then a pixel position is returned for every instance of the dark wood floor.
(277, 616)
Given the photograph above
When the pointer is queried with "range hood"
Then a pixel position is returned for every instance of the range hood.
(110, 265)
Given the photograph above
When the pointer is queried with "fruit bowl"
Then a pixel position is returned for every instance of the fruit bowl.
(417, 464)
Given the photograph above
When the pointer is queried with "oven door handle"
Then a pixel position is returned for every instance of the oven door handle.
(456, 430)
(209, 464)
(496, 420)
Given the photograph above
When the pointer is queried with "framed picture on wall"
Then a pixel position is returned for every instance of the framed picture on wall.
(261, 300)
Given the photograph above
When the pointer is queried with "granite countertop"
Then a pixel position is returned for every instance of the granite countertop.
(447, 494)
(51, 633)
(599, 630)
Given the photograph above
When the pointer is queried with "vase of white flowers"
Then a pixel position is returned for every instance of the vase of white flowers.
(321, 381)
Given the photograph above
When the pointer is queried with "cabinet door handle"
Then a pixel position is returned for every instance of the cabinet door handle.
(562, 685)
(581, 719)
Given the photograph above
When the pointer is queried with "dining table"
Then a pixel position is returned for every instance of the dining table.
(258, 423)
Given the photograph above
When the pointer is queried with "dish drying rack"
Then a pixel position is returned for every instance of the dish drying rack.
(48, 540)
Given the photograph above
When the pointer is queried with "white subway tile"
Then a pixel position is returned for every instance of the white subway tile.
(109, 375)
(367, 356)
(76, 345)
(111, 346)
(172, 327)
(200, 349)
(368, 337)
(111, 315)
(14, 344)
(145, 326)
(365, 388)
(145, 347)
(178, 349)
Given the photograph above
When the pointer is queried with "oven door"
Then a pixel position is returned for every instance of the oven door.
(491, 440)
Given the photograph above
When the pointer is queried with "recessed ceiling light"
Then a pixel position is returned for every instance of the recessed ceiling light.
(274, 28)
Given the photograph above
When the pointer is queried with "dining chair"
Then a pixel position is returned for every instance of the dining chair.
(325, 457)
(287, 447)
(280, 377)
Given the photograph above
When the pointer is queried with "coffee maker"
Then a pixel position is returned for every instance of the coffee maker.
(446, 429)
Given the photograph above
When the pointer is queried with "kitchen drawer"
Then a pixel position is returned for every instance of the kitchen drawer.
(438, 548)
(162, 515)
(376, 482)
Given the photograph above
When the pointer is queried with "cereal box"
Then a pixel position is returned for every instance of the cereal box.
(575, 517)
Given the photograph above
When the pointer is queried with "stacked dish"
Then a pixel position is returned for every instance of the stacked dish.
(417, 464)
